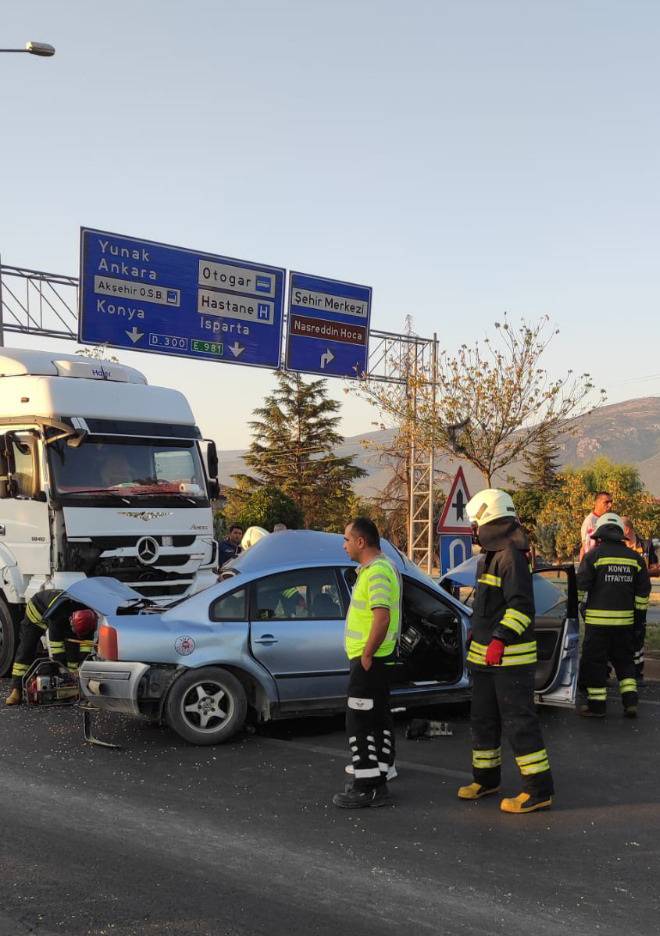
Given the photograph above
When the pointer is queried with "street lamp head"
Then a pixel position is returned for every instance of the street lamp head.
(39, 48)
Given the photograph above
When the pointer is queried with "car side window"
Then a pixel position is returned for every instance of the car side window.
(308, 593)
(231, 607)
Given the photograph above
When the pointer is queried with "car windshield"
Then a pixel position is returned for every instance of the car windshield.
(136, 468)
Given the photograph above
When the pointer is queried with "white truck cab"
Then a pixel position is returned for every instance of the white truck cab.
(100, 474)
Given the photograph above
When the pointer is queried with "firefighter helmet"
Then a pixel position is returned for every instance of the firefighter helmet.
(490, 504)
(609, 519)
(83, 622)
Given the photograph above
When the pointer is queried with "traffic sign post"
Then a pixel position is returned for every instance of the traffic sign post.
(453, 550)
(328, 328)
(454, 526)
(145, 296)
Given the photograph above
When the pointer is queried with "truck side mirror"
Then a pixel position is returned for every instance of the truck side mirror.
(4, 469)
(212, 463)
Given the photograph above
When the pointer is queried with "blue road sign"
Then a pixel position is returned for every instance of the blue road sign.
(159, 299)
(454, 549)
(328, 329)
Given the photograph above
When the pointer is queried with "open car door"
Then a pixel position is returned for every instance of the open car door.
(557, 635)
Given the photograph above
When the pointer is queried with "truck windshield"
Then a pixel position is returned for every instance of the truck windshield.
(148, 467)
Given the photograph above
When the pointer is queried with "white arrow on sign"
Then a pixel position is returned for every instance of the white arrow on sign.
(326, 357)
(134, 334)
(236, 349)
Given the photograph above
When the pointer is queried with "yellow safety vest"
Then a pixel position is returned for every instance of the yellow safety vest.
(378, 586)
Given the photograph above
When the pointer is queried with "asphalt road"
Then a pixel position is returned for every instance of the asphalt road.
(164, 838)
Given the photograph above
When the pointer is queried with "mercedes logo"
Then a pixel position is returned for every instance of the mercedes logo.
(147, 550)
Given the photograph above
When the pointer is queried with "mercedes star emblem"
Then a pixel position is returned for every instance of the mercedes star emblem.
(147, 550)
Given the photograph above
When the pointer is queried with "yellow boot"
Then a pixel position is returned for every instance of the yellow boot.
(474, 791)
(15, 697)
(524, 803)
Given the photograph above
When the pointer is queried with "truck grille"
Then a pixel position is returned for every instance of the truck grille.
(98, 557)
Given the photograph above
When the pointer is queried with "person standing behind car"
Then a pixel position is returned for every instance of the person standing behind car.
(615, 582)
(602, 504)
(230, 547)
(646, 550)
(370, 638)
(502, 658)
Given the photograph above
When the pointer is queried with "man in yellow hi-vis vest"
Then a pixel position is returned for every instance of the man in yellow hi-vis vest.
(370, 639)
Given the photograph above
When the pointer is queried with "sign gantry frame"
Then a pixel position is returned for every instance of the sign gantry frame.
(41, 304)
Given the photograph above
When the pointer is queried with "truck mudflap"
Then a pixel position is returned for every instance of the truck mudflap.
(112, 686)
(104, 594)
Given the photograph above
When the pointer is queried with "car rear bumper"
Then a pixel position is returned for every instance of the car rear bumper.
(112, 687)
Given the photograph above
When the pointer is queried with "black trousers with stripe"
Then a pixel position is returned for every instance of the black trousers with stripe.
(65, 647)
(603, 643)
(369, 723)
(503, 702)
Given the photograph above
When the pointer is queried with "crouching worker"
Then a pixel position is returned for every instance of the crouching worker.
(502, 659)
(70, 629)
(370, 639)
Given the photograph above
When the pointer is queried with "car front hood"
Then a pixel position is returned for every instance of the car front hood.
(104, 594)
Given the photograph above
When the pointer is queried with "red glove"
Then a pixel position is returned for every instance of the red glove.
(495, 652)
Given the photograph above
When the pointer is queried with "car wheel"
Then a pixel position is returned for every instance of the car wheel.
(206, 706)
(7, 638)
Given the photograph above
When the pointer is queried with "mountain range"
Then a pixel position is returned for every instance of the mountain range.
(624, 432)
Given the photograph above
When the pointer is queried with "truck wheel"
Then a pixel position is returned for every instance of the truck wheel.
(7, 638)
(206, 706)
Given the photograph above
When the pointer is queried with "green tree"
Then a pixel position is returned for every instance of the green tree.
(541, 464)
(567, 506)
(294, 439)
(264, 505)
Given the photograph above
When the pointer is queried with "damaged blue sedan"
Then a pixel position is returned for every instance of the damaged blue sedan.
(266, 642)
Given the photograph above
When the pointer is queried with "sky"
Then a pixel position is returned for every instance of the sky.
(461, 157)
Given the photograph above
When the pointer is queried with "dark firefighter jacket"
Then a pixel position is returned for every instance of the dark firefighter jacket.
(503, 606)
(615, 582)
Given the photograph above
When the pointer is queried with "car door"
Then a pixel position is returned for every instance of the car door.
(24, 529)
(557, 635)
(296, 632)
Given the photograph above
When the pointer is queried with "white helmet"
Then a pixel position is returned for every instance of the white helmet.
(609, 519)
(490, 504)
(252, 536)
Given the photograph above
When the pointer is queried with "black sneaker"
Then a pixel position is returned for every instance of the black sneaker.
(360, 799)
(630, 711)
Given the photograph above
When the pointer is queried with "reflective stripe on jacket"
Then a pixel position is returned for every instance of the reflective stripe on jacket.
(503, 607)
(378, 585)
(615, 581)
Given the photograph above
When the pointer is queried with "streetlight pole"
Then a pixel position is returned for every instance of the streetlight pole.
(43, 49)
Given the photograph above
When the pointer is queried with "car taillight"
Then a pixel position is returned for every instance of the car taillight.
(107, 646)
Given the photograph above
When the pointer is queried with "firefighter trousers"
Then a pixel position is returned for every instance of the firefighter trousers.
(369, 723)
(65, 648)
(639, 639)
(603, 643)
(503, 701)
(29, 635)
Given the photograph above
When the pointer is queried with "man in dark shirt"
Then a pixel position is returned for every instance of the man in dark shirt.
(231, 546)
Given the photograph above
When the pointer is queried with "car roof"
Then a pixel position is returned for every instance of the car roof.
(291, 548)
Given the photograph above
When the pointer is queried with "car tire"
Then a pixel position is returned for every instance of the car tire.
(8, 638)
(206, 706)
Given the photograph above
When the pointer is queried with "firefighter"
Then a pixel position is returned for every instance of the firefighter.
(502, 657)
(69, 627)
(614, 584)
(370, 638)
